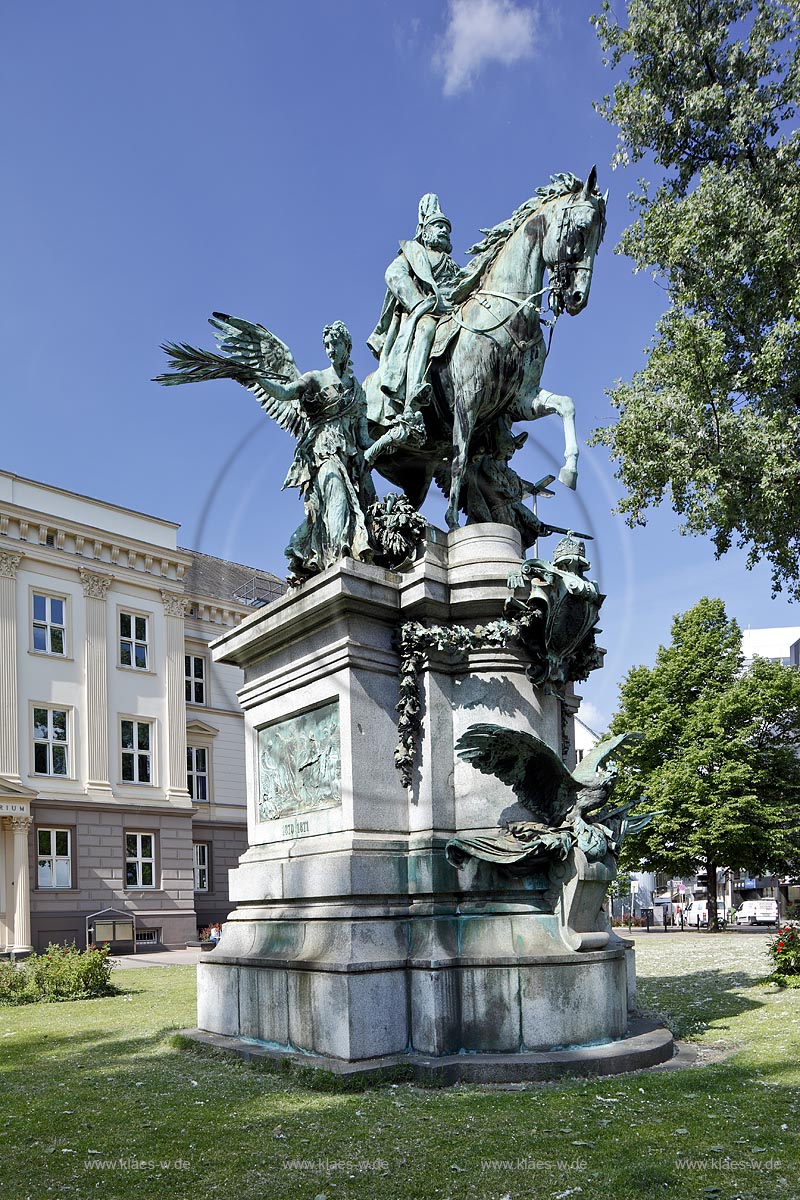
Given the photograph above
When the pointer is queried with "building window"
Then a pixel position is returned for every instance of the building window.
(195, 679)
(140, 862)
(54, 847)
(200, 853)
(133, 641)
(137, 751)
(197, 772)
(49, 624)
(50, 741)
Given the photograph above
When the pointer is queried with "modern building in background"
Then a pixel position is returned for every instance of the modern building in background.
(778, 645)
(122, 773)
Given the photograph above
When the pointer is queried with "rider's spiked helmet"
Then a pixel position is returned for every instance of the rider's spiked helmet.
(430, 210)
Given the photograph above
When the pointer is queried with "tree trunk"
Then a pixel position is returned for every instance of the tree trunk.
(711, 893)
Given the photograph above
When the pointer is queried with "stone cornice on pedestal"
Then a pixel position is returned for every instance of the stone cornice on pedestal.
(462, 577)
(347, 587)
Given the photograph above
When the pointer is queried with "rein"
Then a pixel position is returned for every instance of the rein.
(518, 307)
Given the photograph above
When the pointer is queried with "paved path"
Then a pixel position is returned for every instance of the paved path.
(158, 958)
(657, 931)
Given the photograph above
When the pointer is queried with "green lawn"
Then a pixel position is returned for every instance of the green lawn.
(95, 1100)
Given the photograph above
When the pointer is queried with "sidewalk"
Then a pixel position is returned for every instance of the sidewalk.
(158, 958)
(675, 930)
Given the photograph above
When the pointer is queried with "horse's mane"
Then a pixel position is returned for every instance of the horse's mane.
(486, 250)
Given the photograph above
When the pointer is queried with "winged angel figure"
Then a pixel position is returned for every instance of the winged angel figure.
(566, 809)
(324, 410)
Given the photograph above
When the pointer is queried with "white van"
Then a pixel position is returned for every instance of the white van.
(758, 912)
(696, 913)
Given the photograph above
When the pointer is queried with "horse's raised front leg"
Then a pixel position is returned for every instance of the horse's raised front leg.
(544, 404)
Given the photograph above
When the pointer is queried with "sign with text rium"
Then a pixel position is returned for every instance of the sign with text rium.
(14, 808)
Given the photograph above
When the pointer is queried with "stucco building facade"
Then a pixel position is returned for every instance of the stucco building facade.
(122, 778)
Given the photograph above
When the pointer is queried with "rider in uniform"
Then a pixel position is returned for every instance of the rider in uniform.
(417, 298)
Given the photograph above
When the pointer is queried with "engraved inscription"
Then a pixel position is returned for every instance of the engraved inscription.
(299, 767)
(295, 828)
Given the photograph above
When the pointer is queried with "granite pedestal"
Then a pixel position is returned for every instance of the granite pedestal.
(353, 939)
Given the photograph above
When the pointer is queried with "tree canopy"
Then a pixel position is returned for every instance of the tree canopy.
(718, 756)
(712, 420)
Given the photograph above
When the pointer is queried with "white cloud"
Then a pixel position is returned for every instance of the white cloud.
(591, 715)
(481, 31)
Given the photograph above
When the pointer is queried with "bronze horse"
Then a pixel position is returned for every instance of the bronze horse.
(489, 355)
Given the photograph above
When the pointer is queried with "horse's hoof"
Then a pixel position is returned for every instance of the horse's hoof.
(568, 476)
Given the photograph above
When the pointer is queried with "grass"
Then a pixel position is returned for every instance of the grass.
(99, 1098)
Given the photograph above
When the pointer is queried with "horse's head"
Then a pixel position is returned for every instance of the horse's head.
(571, 233)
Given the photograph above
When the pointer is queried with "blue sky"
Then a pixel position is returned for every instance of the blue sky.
(166, 160)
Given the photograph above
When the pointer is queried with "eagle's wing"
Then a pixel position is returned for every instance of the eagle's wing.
(249, 354)
(592, 761)
(522, 760)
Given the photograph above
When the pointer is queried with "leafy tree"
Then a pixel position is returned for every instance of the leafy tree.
(718, 755)
(712, 421)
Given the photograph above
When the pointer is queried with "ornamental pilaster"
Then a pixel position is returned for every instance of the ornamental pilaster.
(95, 588)
(9, 735)
(174, 612)
(22, 885)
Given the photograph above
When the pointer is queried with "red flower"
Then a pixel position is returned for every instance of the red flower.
(779, 946)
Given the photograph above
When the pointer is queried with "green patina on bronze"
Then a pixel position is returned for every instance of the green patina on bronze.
(557, 620)
(325, 410)
(299, 764)
(566, 809)
(461, 352)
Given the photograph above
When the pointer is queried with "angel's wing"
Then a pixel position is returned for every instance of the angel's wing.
(249, 353)
(257, 352)
(527, 764)
(587, 768)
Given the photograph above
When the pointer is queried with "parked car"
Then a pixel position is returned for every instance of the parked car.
(696, 913)
(758, 912)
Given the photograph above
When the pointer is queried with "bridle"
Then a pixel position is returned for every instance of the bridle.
(559, 272)
(556, 289)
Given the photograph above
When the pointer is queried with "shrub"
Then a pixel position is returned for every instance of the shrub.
(15, 985)
(784, 950)
(60, 973)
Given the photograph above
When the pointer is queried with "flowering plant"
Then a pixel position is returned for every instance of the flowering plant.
(784, 949)
(61, 973)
